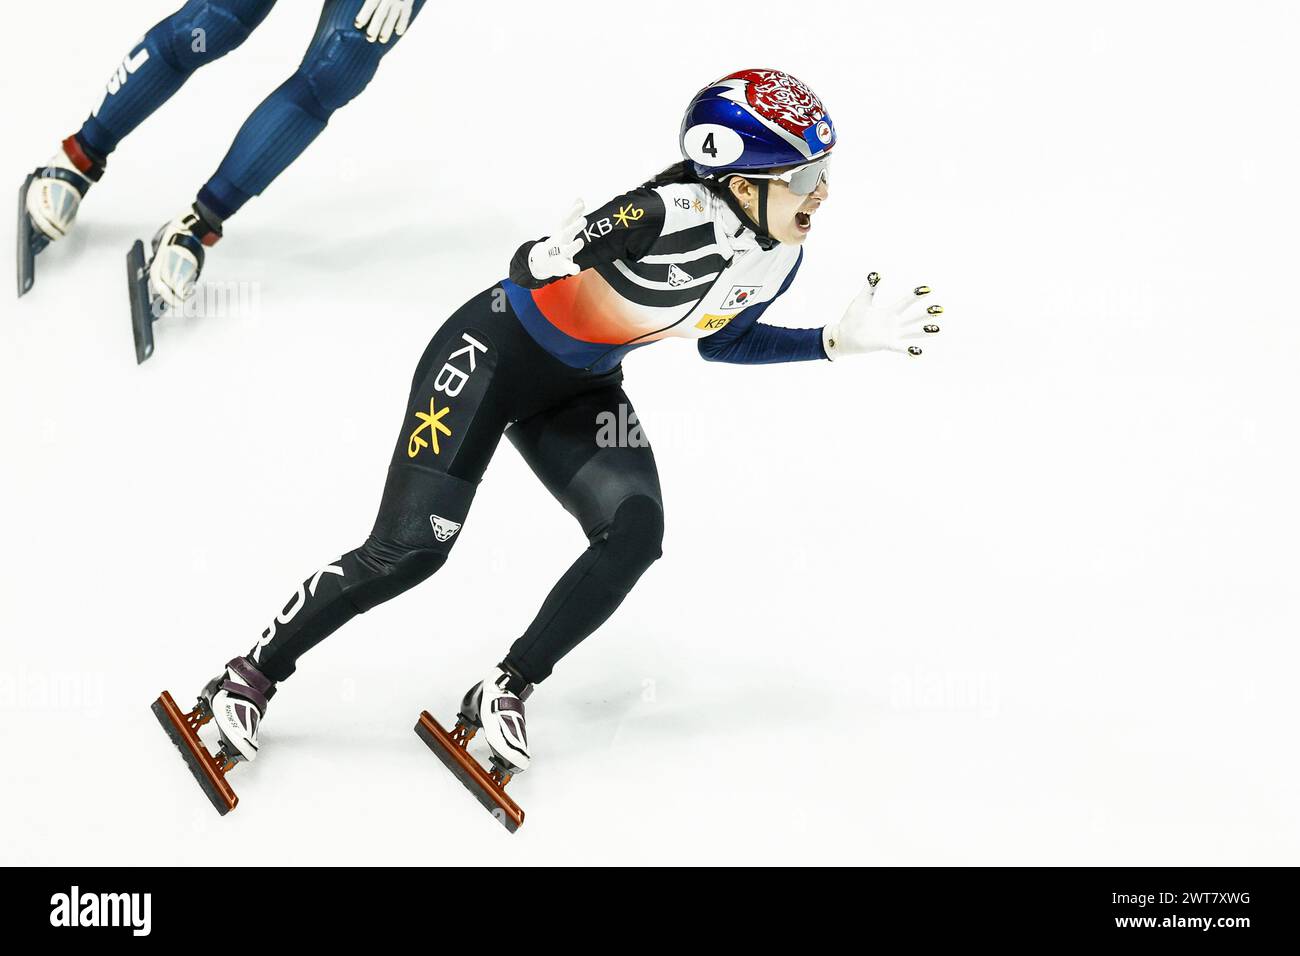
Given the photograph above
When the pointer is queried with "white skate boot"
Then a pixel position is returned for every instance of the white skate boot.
(499, 712)
(169, 278)
(494, 705)
(51, 197)
(238, 699)
(55, 196)
(178, 255)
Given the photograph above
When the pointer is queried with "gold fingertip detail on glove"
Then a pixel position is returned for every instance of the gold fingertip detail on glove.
(932, 329)
(873, 279)
(922, 290)
(914, 350)
(935, 309)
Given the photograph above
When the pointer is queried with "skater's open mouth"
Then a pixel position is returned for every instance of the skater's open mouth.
(803, 221)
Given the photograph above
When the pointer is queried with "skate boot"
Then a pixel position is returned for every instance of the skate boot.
(494, 705)
(48, 202)
(168, 279)
(499, 711)
(234, 702)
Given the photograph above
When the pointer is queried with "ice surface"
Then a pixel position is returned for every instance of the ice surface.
(1029, 599)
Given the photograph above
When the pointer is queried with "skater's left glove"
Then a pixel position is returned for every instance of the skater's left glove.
(552, 258)
(867, 327)
(382, 18)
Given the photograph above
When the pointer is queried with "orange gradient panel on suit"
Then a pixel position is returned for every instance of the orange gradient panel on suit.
(585, 307)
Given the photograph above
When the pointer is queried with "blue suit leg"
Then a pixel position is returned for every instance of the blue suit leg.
(339, 64)
(199, 33)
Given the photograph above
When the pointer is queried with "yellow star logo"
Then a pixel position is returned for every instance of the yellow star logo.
(627, 215)
(432, 423)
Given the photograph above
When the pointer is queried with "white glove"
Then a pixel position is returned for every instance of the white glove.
(867, 327)
(552, 258)
(384, 17)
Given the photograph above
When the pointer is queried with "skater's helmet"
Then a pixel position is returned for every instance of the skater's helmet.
(755, 120)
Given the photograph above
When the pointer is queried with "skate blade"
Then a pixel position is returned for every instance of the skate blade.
(142, 303)
(469, 772)
(28, 243)
(210, 778)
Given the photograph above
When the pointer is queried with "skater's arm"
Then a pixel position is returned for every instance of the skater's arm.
(624, 228)
(746, 341)
(901, 326)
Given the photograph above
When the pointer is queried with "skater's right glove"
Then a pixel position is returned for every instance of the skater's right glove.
(867, 327)
(552, 258)
(382, 18)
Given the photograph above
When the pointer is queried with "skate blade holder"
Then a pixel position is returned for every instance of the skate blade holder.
(209, 770)
(30, 241)
(487, 786)
(145, 308)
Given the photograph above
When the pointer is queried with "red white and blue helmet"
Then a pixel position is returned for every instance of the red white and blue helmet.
(753, 120)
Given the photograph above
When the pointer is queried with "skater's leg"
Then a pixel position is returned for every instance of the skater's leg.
(453, 424)
(403, 550)
(592, 456)
(339, 64)
(199, 33)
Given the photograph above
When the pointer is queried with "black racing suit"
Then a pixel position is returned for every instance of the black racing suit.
(490, 370)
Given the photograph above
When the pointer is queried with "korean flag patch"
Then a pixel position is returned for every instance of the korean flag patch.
(740, 296)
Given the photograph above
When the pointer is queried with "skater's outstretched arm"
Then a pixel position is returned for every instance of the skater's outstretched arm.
(902, 326)
(746, 341)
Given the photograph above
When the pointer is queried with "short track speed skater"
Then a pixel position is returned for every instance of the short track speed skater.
(495, 706)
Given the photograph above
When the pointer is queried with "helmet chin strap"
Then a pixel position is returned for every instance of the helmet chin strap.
(758, 227)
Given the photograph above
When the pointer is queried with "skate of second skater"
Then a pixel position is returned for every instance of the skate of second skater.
(351, 39)
(700, 252)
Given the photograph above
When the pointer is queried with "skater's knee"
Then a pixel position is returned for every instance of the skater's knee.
(390, 569)
(207, 30)
(634, 538)
(334, 76)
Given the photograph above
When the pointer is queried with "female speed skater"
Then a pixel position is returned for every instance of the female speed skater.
(700, 252)
(351, 38)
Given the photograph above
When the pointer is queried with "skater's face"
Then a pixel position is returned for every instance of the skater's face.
(789, 215)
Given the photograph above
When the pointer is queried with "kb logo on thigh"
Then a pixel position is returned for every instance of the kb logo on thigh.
(449, 382)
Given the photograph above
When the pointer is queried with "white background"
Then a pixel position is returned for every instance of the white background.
(1028, 599)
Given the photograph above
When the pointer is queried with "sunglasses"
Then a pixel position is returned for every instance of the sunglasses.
(801, 180)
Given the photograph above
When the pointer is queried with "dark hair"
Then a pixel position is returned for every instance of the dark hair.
(684, 172)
